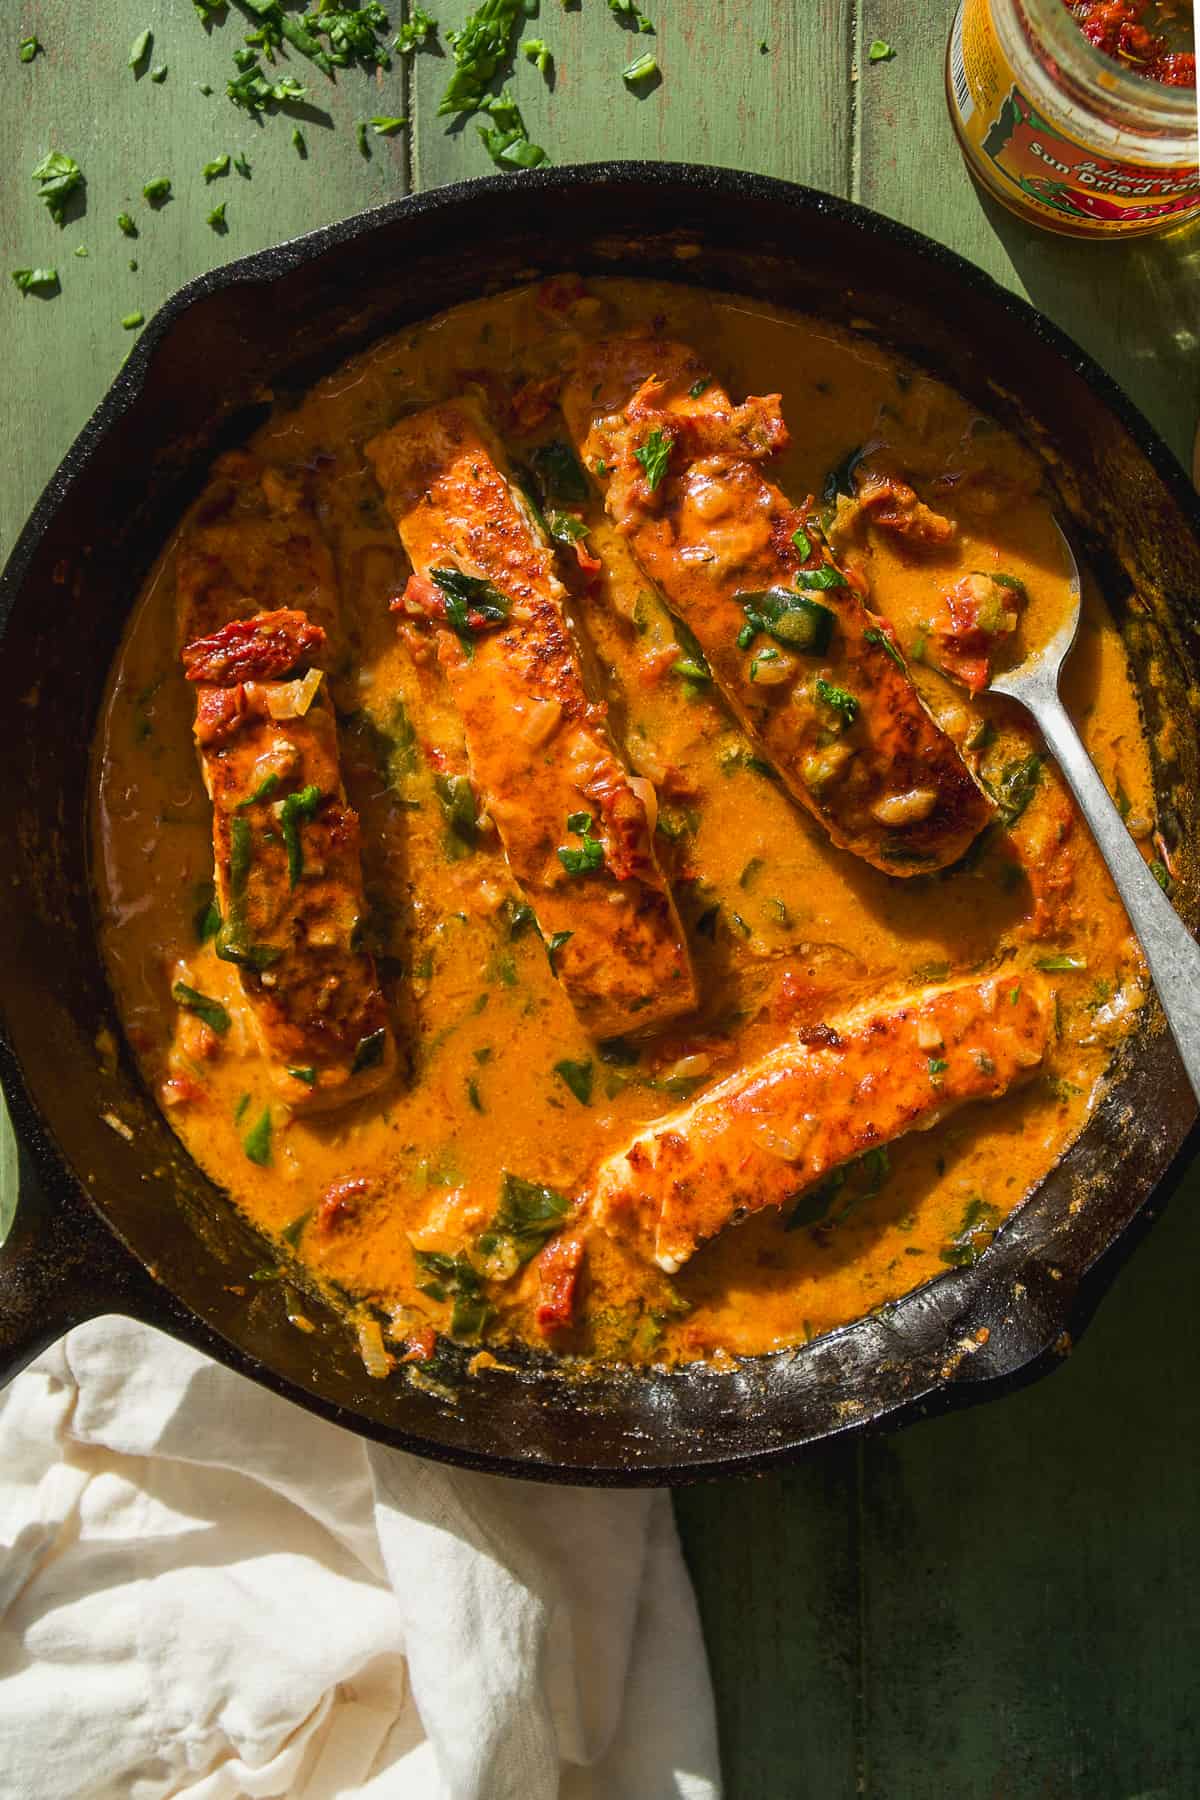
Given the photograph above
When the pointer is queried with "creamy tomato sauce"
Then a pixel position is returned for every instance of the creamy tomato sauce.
(495, 1073)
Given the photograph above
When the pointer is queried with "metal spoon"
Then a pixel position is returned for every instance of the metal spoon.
(1171, 951)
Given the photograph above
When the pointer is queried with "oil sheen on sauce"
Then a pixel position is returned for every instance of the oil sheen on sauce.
(481, 1021)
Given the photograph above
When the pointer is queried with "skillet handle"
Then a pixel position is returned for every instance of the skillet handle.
(59, 1266)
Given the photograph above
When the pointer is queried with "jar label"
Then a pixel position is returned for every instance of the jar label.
(1037, 164)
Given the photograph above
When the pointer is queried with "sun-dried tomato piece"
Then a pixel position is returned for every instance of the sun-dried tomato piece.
(558, 1269)
(257, 649)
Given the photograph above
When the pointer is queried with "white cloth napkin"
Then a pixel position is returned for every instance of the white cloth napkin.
(206, 1591)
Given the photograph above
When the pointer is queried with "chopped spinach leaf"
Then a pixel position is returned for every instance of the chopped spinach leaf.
(559, 472)
(211, 1011)
(840, 479)
(472, 604)
(369, 1051)
(578, 1077)
(885, 641)
(307, 1075)
(291, 811)
(555, 943)
(257, 1142)
(1015, 789)
(461, 812)
(979, 1222)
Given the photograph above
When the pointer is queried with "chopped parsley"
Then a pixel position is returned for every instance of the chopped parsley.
(157, 191)
(538, 52)
(654, 456)
(1015, 788)
(642, 68)
(979, 1222)
(291, 811)
(590, 854)
(578, 1077)
(211, 1011)
(251, 90)
(471, 603)
(628, 12)
(218, 166)
(415, 31)
(58, 177)
(139, 50)
(36, 281)
(842, 702)
(257, 1142)
(825, 577)
(506, 139)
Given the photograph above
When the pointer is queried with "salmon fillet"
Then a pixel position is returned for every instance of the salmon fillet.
(814, 676)
(572, 822)
(286, 858)
(834, 1091)
(252, 546)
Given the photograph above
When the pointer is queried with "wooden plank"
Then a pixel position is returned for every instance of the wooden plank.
(62, 353)
(1133, 306)
(776, 1565)
(784, 111)
(1030, 1568)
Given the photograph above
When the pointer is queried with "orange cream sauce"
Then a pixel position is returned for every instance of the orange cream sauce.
(479, 1016)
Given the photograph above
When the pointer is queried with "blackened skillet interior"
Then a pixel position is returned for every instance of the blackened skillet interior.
(204, 371)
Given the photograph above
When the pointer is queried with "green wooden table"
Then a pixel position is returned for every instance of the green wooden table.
(997, 1604)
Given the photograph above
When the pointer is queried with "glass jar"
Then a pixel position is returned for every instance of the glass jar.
(1064, 135)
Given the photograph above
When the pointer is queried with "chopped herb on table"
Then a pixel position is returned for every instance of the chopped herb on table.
(139, 50)
(36, 281)
(81, 250)
(630, 14)
(132, 320)
(127, 225)
(880, 51)
(506, 140)
(58, 177)
(216, 218)
(643, 68)
(159, 74)
(157, 191)
(538, 52)
(384, 125)
(415, 31)
(28, 48)
(218, 166)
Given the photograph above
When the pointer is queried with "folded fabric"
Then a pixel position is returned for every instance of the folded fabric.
(206, 1591)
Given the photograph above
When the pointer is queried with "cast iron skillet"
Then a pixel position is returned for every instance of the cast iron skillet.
(133, 1227)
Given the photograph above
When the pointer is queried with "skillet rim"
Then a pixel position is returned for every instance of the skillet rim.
(261, 268)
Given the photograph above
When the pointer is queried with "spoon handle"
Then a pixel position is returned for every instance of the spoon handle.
(1171, 951)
